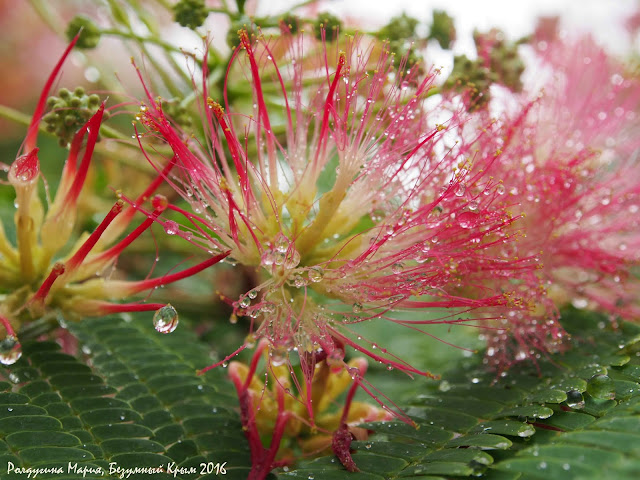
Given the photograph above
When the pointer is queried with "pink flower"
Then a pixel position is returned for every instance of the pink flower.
(569, 165)
(350, 192)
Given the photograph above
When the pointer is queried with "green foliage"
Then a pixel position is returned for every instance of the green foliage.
(136, 402)
(521, 425)
(443, 29)
(132, 396)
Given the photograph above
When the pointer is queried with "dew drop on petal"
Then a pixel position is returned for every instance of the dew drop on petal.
(468, 219)
(397, 268)
(282, 243)
(500, 189)
(315, 274)
(165, 320)
(171, 227)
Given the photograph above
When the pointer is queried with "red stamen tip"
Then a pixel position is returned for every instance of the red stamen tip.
(244, 40)
(216, 107)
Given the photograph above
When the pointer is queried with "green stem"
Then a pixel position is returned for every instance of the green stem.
(138, 38)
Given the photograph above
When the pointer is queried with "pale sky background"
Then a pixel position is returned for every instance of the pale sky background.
(604, 18)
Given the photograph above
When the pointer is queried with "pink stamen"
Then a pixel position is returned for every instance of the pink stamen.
(114, 251)
(7, 326)
(74, 262)
(39, 297)
(151, 283)
(93, 129)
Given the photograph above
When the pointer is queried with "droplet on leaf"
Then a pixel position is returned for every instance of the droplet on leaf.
(165, 320)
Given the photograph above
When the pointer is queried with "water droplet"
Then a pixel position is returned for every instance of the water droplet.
(252, 294)
(602, 387)
(277, 357)
(268, 258)
(357, 307)
(526, 431)
(165, 320)
(10, 350)
(566, 466)
(575, 399)
(579, 303)
(245, 302)
(282, 243)
(315, 274)
(397, 268)
(460, 190)
(171, 227)
(500, 189)
(444, 386)
(292, 259)
(468, 219)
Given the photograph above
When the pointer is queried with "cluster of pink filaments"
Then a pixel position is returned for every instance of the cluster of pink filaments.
(353, 199)
(569, 165)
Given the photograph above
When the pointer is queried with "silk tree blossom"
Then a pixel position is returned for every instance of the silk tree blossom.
(351, 197)
(41, 274)
(569, 165)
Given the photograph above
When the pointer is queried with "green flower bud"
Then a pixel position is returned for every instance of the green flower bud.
(503, 58)
(399, 30)
(329, 22)
(443, 29)
(70, 110)
(243, 23)
(179, 114)
(90, 35)
(473, 77)
(190, 13)
(292, 22)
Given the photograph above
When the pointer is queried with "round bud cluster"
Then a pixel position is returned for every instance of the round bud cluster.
(400, 33)
(177, 112)
(473, 77)
(502, 58)
(90, 35)
(291, 22)
(70, 111)
(329, 22)
(190, 13)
